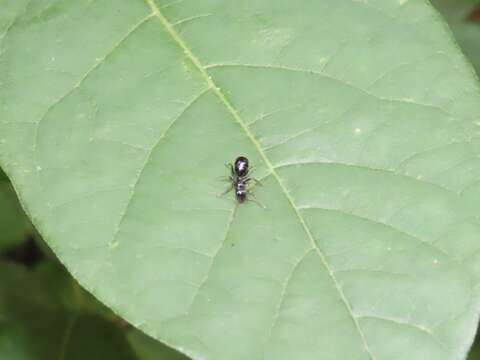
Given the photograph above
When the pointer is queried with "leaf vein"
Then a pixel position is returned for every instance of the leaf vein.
(114, 241)
(422, 328)
(278, 308)
(85, 76)
(364, 167)
(380, 223)
(327, 76)
(67, 336)
(212, 262)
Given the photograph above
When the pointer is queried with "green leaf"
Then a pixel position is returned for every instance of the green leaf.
(361, 119)
(45, 315)
(35, 323)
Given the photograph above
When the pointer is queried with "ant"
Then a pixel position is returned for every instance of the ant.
(239, 178)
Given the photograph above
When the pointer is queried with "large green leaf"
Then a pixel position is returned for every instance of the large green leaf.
(360, 117)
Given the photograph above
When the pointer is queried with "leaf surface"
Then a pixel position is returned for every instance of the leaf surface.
(360, 118)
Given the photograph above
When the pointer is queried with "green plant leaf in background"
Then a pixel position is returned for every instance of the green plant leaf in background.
(474, 353)
(41, 326)
(459, 15)
(147, 348)
(455, 10)
(467, 32)
(361, 118)
(468, 37)
(13, 223)
(3, 177)
(40, 307)
(44, 315)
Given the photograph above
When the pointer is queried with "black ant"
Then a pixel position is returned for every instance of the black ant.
(239, 178)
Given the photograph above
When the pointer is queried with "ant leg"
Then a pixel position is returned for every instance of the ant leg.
(230, 166)
(251, 170)
(257, 182)
(232, 173)
(226, 191)
(254, 199)
(258, 203)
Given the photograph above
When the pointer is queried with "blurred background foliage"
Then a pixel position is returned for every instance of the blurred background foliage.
(45, 314)
(463, 17)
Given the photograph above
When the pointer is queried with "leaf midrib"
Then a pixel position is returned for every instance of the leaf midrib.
(209, 79)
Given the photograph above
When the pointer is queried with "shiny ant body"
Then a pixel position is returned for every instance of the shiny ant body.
(239, 179)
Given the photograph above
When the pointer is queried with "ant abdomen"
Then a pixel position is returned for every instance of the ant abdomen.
(241, 166)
